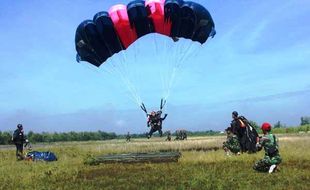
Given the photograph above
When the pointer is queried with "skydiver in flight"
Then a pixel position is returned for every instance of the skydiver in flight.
(155, 121)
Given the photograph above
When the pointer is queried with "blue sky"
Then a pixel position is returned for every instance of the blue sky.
(257, 64)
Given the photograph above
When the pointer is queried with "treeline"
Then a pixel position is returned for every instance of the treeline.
(279, 127)
(6, 137)
(300, 129)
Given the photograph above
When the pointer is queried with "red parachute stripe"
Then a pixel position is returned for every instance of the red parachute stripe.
(156, 8)
(119, 16)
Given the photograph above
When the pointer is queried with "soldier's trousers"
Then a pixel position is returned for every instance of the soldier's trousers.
(264, 164)
(19, 151)
(233, 148)
(154, 129)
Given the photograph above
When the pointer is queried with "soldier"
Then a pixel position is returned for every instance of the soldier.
(128, 137)
(168, 136)
(272, 157)
(232, 143)
(184, 135)
(238, 127)
(19, 139)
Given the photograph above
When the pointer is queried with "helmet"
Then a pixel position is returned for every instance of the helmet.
(235, 113)
(266, 127)
(153, 113)
(19, 126)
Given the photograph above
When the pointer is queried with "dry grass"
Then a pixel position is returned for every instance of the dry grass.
(195, 170)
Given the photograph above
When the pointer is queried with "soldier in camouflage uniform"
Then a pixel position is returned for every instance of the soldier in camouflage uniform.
(231, 144)
(272, 157)
(128, 137)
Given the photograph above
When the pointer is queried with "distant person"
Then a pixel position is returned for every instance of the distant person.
(231, 145)
(19, 139)
(128, 137)
(168, 136)
(181, 135)
(155, 122)
(184, 135)
(272, 157)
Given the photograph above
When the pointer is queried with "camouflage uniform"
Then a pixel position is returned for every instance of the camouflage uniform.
(232, 144)
(128, 137)
(272, 156)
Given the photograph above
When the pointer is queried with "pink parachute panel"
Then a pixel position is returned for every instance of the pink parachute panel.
(156, 8)
(119, 16)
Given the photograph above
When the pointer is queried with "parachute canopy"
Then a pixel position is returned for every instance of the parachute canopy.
(113, 31)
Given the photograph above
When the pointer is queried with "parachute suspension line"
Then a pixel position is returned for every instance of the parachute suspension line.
(120, 70)
(172, 65)
(160, 60)
(178, 63)
(136, 74)
(169, 63)
(110, 71)
(166, 64)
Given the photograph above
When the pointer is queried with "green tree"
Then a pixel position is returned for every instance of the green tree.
(277, 125)
(304, 120)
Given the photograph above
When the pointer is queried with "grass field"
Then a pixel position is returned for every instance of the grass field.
(200, 167)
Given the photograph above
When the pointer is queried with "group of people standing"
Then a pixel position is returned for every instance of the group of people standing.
(242, 137)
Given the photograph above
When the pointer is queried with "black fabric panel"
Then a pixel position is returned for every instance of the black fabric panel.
(138, 17)
(107, 33)
(84, 51)
(187, 21)
(204, 24)
(88, 44)
(190, 20)
(172, 14)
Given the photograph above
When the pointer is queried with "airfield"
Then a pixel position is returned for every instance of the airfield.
(203, 165)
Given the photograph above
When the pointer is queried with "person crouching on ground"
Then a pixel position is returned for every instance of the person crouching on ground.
(272, 157)
(231, 145)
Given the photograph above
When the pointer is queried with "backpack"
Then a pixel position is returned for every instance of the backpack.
(251, 135)
(43, 156)
(273, 150)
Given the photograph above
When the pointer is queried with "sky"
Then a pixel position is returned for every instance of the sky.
(257, 64)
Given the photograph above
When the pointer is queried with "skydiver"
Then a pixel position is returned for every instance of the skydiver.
(238, 127)
(154, 120)
(246, 133)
